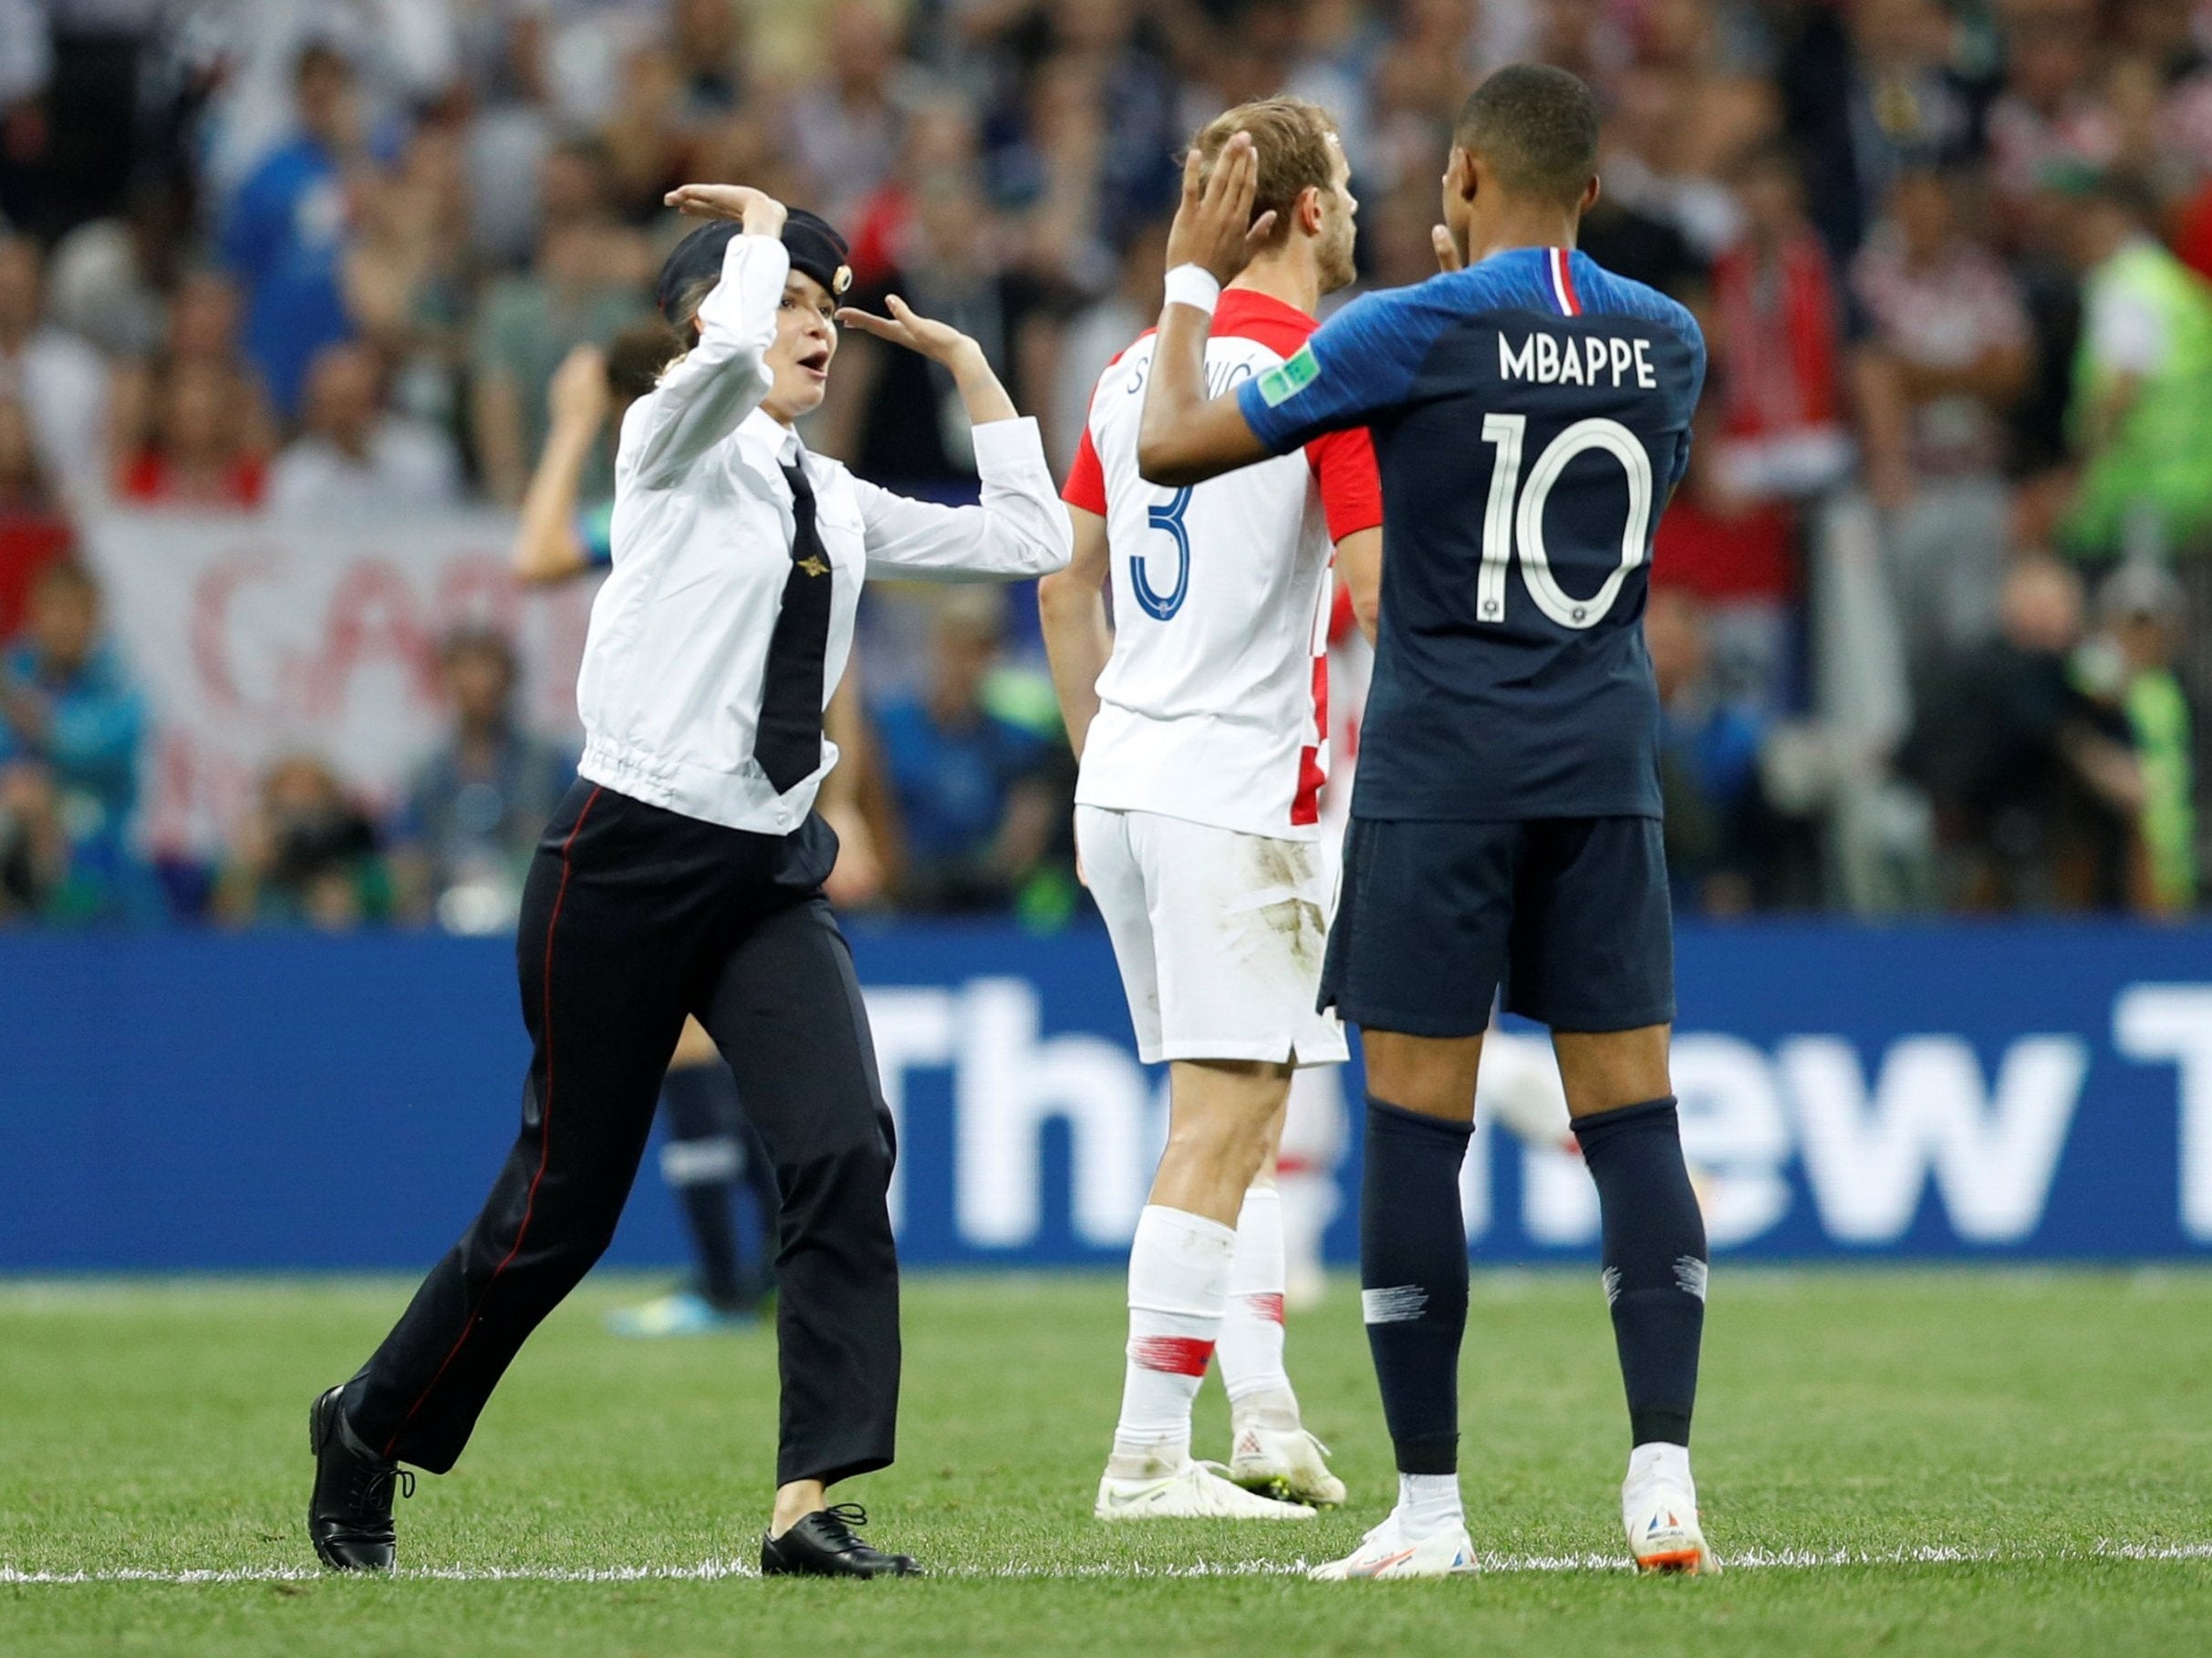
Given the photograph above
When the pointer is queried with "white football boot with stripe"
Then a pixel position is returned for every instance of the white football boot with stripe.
(1197, 1491)
(1286, 1464)
(1659, 1511)
(1385, 1554)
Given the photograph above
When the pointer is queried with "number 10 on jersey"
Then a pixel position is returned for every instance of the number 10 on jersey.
(1503, 527)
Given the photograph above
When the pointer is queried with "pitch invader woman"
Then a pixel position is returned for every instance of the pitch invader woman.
(683, 875)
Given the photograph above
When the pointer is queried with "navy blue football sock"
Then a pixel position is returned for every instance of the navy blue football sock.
(1654, 1261)
(1413, 1278)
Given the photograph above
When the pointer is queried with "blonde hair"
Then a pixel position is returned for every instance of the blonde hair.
(1296, 141)
(686, 312)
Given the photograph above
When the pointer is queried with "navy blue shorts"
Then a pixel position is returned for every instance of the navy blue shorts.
(1570, 915)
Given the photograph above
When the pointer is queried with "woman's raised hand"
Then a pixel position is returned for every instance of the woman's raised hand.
(941, 342)
(761, 213)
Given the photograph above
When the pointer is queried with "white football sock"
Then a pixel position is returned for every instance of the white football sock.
(1428, 1503)
(1251, 1328)
(1659, 1457)
(1178, 1285)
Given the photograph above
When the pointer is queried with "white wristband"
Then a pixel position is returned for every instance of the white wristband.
(1193, 285)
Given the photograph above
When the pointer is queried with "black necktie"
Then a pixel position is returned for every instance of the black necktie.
(788, 744)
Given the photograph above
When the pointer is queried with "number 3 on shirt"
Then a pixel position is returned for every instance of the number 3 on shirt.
(1502, 526)
(1169, 518)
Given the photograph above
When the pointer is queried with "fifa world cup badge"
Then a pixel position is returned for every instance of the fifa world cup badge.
(1288, 377)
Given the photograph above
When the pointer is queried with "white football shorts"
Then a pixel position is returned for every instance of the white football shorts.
(1219, 936)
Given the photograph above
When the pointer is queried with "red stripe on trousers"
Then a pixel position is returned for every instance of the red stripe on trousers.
(545, 1140)
(1176, 1355)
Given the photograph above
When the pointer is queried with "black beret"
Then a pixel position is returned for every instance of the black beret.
(814, 247)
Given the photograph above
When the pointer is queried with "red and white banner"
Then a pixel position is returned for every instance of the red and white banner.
(255, 640)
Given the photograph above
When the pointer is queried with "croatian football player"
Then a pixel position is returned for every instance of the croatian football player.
(1202, 719)
(1531, 413)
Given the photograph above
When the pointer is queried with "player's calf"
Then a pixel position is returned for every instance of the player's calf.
(1654, 1275)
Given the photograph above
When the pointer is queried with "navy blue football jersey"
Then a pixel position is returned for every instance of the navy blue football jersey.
(1530, 417)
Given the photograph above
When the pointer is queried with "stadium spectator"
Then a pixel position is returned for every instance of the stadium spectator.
(2051, 112)
(308, 855)
(60, 380)
(199, 331)
(1861, 87)
(2144, 616)
(461, 844)
(1708, 764)
(71, 722)
(35, 530)
(1651, 167)
(977, 814)
(2142, 411)
(286, 232)
(409, 274)
(586, 284)
(1774, 409)
(848, 120)
(2030, 763)
(1946, 349)
(202, 453)
(909, 425)
(352, 457)
(108, 279)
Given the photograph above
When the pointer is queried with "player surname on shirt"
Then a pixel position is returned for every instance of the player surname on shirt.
(1542, 360)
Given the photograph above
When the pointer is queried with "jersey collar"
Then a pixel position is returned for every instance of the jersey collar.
(1250, 305)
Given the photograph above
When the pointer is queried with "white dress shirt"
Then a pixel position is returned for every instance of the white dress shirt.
(670, 689)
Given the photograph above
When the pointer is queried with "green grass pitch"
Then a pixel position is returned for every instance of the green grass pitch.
(1957, 1463)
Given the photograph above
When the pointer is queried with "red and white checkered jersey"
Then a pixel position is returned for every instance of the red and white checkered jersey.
(1214, 705)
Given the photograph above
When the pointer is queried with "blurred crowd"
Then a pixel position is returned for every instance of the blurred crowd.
(1932, 612)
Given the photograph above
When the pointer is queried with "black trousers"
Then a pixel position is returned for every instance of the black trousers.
(633, 916)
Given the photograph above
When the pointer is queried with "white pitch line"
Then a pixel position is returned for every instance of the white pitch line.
(1785, 1559)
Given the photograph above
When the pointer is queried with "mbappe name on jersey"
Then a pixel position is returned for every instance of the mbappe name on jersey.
(1547, 361)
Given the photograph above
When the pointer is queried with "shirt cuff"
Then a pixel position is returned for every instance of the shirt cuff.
(753, 272)
(1001, 445)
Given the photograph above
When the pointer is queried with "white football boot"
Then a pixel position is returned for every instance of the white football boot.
(1659, 1511)
(1384, 1554)
(1197, 1491)
(1286, 1464)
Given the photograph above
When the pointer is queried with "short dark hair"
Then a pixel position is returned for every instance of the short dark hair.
(318, 54)
(1537, 127)
(475, 639)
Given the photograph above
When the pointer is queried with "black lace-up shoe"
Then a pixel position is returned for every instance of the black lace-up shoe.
(823, 1546)
(350, 1516)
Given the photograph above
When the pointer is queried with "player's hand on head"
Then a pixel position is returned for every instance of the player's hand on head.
(1447, 250)
(578, 392)
(939, 342)
(761, 213)
(1213, 227)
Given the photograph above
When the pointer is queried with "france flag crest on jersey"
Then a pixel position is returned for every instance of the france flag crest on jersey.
(1531, 416)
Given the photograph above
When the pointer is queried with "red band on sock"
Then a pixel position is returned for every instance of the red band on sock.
(1176, 1355)
(1267, 1307)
